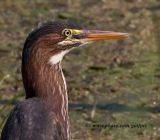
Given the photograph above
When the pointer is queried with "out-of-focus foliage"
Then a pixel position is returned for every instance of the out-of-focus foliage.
(114, 82)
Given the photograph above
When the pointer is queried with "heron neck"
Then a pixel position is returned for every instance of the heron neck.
(48, 83)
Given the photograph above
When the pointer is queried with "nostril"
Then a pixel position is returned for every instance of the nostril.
(79, 36)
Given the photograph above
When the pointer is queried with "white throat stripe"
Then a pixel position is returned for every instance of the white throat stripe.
(57, 57)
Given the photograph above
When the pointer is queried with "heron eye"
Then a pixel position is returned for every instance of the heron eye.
(67, 32)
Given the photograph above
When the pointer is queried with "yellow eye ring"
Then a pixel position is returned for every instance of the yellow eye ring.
(67, 32)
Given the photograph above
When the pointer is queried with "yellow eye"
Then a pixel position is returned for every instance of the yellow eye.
(67, 32)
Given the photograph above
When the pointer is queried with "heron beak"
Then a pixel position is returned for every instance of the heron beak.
(94, 35)
(86, 36)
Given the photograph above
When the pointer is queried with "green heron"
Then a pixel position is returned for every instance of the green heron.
(44, 113)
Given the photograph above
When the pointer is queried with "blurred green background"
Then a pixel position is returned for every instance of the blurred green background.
(109, 82)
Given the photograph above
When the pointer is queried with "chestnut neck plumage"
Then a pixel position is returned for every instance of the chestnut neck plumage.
(45, 80)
